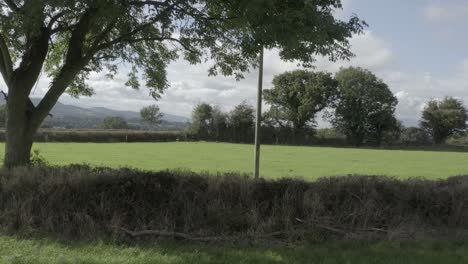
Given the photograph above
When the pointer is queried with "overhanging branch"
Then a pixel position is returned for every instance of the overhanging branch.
(54, 19)
(143, 3)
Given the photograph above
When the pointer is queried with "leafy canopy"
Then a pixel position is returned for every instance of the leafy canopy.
(151, 114)
(365, 106)
(202, 119)
(298, 96)
(442, 119)
(82, 36)
(242, 120)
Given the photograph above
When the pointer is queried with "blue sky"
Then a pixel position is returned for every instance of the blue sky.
(428, 36)
(418, 47)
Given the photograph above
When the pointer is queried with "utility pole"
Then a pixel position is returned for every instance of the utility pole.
(258, 122)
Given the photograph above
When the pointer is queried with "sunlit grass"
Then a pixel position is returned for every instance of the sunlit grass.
(277, 161)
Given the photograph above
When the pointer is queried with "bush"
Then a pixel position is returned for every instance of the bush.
(101, 203)
(414, 136)
(460, 139)
(37, 159)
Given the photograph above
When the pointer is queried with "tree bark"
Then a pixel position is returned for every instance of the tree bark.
(19, 133)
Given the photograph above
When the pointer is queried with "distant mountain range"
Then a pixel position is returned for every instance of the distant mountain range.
(63, 110)
(79, 117)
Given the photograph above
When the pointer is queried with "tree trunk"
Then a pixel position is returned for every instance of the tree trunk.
(19, 133)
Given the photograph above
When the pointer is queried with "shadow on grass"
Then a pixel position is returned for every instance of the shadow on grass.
(45, 251)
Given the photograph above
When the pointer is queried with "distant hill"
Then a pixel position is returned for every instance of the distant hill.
(80, 117)
(63, 110)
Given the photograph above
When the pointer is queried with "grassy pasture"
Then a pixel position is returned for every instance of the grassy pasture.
(277, 161)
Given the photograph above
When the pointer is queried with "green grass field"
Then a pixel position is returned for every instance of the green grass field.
(20, 251)
(277, 161)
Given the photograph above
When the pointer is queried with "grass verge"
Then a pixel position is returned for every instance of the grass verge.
(22, 251)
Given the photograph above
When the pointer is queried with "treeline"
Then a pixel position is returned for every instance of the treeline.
(105, 136)
(359, 105)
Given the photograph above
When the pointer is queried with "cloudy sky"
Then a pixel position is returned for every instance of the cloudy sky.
(418, 47)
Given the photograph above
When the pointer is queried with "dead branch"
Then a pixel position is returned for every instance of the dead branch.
(343, 230)
(185, 236)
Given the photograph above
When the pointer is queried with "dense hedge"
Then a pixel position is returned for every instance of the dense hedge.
(101, 203)
(105, 136)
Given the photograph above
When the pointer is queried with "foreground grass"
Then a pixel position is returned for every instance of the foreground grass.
(277, 161)
(13, 250)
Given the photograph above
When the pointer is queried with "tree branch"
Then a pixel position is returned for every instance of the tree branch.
(12, 5)
(128, 36)
(75, 61)
(54, 19)
(5, 95)
(6, 65)
(143, 3)
(32, 61)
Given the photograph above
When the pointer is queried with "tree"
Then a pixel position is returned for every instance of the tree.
(114, 122)
(202, 119)
(241, 121)
(71, 39)
(298, 96)
(151, 114)
(219, 124)
(441, 119)
(365, 106)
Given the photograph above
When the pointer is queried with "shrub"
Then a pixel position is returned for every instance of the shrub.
(100, 203)
(37, 159)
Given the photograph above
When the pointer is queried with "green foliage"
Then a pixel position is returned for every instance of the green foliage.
(202, 119)
(365, 106)
(330, 133)
(414, 136)
(114, 122)
(297, 97)
(210, 123)
(442, 119)
(151, 114)
(37, 159)
(220, 124)
(241, 121)
(459, 139)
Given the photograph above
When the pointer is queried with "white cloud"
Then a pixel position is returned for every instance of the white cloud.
(190, 84)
